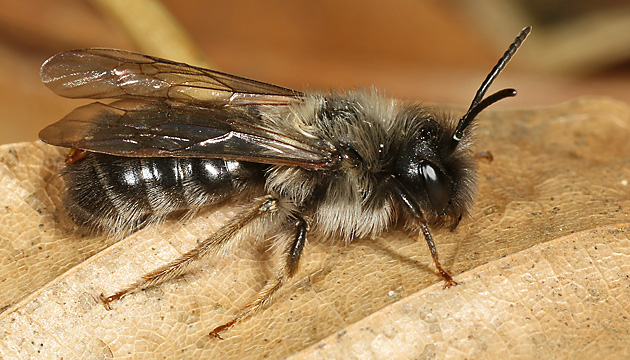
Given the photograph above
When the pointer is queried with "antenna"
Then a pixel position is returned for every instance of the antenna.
(478, 104)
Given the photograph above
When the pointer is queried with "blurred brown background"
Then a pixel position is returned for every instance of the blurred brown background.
(434, 51)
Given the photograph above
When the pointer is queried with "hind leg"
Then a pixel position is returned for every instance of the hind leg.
(211, 246)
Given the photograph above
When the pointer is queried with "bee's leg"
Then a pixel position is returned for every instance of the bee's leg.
(413, 208)
(211, 246)
(485, 155)
(284, 271)
(434, 254)
(456, 222)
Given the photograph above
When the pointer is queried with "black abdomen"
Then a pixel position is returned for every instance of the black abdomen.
(120, 194)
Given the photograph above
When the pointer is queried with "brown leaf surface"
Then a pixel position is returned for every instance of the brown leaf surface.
(565, 299)
(543, 262)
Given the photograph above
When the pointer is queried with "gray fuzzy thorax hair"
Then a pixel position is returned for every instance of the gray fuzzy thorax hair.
(351, 201)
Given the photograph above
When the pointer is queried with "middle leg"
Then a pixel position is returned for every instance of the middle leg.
(284, 271)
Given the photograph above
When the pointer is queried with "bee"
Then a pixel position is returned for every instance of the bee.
(332, 165)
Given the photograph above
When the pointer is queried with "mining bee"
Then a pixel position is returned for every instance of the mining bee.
(331, 165)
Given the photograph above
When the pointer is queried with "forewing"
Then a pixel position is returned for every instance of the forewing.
(108, 73)
(173, 129)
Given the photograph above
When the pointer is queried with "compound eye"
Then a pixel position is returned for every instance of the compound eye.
(437, 186)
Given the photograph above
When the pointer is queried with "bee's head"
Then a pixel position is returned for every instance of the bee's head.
(438, 178)
(434, 162)
(434, 171)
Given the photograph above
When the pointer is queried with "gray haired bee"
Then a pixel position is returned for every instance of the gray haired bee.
(335, 165)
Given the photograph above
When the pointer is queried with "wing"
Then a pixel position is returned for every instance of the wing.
(109, 73)
(173, 129)
(172, 109)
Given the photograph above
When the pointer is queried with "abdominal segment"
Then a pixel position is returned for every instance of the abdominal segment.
(121, 194)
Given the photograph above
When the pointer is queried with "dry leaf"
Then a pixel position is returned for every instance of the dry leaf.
(543, 264)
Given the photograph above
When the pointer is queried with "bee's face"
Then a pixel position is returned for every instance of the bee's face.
(419, 167)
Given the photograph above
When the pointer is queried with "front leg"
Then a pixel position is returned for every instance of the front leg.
(434, 254)
(413, 208)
